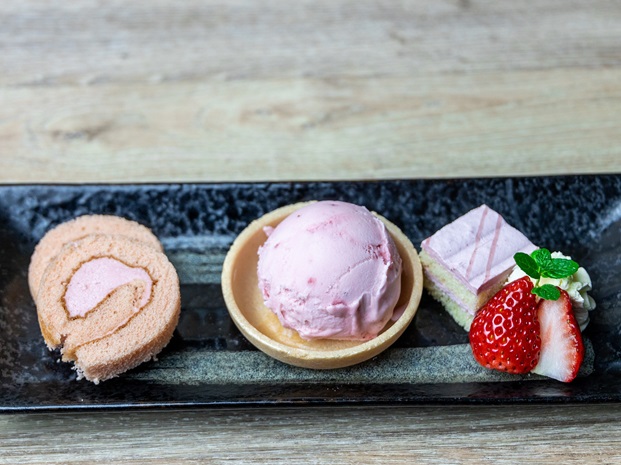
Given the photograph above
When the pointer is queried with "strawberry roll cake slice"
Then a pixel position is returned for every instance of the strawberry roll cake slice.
(108, 303)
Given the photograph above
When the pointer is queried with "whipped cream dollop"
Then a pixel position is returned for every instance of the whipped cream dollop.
(577, 286)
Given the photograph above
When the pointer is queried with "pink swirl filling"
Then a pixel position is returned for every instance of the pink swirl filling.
(96, 279)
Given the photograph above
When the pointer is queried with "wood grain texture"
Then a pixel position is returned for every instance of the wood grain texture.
(315, 89)
(96, 43)
(326, 90)
(434, 435)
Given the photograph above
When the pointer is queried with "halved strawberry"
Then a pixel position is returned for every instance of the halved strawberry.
(562, 349)
(505, 332)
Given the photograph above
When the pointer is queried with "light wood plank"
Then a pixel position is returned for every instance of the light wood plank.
(88, 42)
(482, 124)
(326, 90)
(570, 434)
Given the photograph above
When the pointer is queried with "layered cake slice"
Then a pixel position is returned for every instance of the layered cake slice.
(467, 261)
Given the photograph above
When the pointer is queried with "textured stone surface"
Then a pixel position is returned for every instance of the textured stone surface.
(579, 215)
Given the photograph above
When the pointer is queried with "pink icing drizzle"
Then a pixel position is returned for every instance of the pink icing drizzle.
(96, 279)
(490, 258)
(477, 240)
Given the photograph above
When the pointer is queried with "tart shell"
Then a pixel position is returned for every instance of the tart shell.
(263, 329)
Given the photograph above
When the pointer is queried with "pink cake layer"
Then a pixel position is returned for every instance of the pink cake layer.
(477, 248)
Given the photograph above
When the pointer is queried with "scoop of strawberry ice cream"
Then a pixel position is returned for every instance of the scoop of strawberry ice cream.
(331, 270)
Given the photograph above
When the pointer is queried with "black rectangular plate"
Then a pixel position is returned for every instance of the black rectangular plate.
(209, 363)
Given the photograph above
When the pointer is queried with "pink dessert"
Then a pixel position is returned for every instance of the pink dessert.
(108, 303)
(96, 279)
(467, 261)
(331, 270)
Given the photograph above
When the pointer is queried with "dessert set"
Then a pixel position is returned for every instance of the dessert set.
(441, 287)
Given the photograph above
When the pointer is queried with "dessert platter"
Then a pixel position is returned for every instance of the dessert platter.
(474, 291)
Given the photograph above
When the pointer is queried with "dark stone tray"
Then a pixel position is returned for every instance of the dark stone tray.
(209, 363)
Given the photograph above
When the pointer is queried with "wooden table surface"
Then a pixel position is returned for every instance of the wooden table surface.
(116, 91)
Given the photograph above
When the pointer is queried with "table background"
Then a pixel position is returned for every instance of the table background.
(94, 91)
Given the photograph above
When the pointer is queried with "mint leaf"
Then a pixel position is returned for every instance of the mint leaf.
(547, 291)
(527, 264)
(542, 257)
(561, 268)
(540, 264)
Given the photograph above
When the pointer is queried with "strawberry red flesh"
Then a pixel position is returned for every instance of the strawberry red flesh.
(562, 350)
(505, 332)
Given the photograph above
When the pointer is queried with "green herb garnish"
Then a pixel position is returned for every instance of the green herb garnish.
(540, 264)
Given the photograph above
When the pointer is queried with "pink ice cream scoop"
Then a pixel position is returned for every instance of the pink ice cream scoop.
(331, 270)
